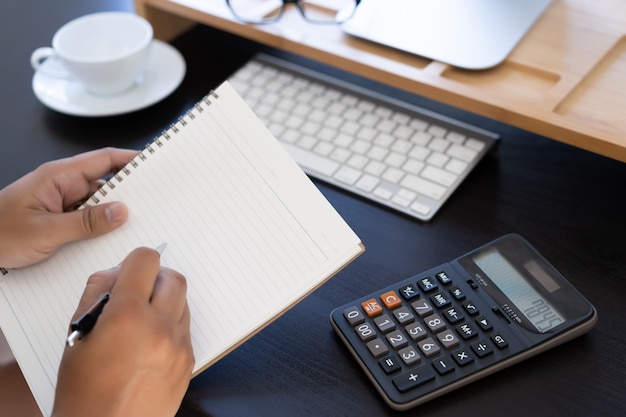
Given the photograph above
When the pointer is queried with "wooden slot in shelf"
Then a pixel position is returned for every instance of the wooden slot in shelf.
(565, 80)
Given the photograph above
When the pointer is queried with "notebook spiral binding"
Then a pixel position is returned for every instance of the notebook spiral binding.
(133, 163)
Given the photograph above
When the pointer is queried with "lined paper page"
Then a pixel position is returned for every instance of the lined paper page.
(241, 221)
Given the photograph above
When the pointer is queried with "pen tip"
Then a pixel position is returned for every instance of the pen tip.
(161, 248)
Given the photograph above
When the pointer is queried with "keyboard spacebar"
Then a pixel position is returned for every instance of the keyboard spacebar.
(311, 161)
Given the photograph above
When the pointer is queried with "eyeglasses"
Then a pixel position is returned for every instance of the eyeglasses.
(313, 11)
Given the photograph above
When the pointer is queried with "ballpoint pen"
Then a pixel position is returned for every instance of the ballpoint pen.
(87, 321)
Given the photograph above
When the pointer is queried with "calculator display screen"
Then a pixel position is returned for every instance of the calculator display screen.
(531, 303)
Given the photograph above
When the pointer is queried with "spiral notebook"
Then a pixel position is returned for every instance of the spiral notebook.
(244, 224)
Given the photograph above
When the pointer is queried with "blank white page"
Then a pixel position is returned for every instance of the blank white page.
(242, 222)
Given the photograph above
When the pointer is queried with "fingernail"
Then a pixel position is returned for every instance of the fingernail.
(115, 212)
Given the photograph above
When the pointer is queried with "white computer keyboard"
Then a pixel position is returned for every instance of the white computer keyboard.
(391, 152)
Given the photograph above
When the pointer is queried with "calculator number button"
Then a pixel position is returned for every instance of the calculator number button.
(353, 315)
(384, 323)
(416, 331)
(409, 356)
(428, 347)
(397, 340)
(365, 332)
(403, 315)
(422, 307)
(435, 323)
(448, 340)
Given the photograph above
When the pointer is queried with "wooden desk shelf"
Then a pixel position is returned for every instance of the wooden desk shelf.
(566, 79)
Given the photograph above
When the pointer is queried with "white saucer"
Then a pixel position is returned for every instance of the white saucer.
(165, 71)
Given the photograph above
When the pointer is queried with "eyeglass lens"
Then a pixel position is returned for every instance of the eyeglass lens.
(316, 11)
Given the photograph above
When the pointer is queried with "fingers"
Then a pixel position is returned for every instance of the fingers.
(141, 276)
(76, 176)
(169, 294)
(137, 274)
(88, 222)
(96, 164)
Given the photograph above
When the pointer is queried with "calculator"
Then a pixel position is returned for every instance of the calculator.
(461, 321)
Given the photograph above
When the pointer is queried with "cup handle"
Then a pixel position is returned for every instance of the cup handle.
(40, 55)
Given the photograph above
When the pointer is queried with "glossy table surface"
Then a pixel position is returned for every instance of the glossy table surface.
(566, 201)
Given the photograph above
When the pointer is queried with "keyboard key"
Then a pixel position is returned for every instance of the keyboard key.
(311, 161)
(348, 175)
(462, 153)
(424, 187)
(475, 144)
(456, 166)
(383, 193)
(420, 208)
(438, 175)
(367, 183)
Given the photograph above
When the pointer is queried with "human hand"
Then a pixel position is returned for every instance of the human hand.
(37, 213)
(138, 359)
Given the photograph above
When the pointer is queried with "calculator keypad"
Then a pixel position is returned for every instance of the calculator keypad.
(424, 333)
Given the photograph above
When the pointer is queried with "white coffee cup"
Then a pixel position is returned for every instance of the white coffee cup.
(106, 52)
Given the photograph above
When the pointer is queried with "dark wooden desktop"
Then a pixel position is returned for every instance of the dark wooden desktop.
(569, 203)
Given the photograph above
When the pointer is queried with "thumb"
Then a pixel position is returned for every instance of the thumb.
(91, 221)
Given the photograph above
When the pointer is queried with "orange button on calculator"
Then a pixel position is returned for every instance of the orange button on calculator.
(371, 307)
(391, 300)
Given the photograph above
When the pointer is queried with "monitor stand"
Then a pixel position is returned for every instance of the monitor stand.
(471, 34)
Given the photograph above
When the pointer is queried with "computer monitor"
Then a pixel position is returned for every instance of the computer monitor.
(470, 34)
